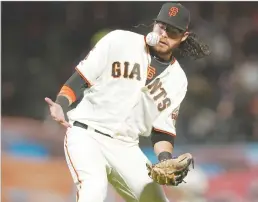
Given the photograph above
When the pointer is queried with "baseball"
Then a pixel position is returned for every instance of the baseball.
(152, 39)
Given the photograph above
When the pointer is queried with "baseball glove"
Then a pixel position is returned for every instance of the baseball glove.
(171, 171)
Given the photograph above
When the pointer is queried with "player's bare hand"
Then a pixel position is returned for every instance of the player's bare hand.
(57, 113)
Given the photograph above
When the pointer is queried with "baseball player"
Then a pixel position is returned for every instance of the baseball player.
(122, 89)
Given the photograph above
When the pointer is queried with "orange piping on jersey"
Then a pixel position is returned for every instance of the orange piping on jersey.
(68, 92)
(165, 132)
(77, 175)
(87, 81)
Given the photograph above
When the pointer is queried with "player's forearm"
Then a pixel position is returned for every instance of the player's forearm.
(163, 145)
(65, 97)
(71, 91)
(163, 150)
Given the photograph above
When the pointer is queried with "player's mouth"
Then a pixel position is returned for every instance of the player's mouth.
(162, 43)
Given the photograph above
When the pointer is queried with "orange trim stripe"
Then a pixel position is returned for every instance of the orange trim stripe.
(87, 81)
(165, 132)
(77, 196)
(67, 91)
(77, 175)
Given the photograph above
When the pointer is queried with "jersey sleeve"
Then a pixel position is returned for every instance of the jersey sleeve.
(166, 121)
(92, 66)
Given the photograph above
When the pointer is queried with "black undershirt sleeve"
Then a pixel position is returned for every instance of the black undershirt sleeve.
(77, 84)
(64, 103)
(158, 136)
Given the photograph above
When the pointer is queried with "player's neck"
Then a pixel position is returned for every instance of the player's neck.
(164, 57)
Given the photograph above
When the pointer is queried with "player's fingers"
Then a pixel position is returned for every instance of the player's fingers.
(65, 124)
(49, 101)
(55, 118)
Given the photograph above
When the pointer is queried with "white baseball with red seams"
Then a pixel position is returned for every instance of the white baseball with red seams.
(152, 39)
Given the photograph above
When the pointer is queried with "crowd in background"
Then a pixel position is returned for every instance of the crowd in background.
(42, 42)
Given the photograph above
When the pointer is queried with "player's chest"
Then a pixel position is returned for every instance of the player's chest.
(157, 68)
(133, 70)
(129, 65)
(162, 90)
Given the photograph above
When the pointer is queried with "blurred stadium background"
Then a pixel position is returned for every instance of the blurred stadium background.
(43, 41)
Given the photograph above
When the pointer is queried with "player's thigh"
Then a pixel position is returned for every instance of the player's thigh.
(84, 158)
(131, 175)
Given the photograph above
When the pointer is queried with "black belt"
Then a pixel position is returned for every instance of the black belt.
(84, 126)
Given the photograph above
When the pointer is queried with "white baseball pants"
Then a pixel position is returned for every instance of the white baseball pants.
(94, 160)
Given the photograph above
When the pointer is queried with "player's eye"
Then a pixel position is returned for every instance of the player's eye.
(173, 30)
(162, 25)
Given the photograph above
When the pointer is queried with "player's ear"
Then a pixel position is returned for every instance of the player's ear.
(186, 34)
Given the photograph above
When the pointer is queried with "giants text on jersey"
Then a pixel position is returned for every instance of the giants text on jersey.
(119, 102)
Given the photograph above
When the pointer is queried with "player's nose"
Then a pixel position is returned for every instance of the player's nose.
(164, 33)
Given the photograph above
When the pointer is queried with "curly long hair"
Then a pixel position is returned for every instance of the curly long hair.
(193, 47)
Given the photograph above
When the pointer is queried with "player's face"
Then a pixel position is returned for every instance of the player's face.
(170, 37)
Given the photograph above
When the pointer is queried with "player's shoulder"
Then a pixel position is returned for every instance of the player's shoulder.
(179, 72)
(120, 34)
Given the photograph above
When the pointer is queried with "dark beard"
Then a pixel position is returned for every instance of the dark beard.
(161, 55)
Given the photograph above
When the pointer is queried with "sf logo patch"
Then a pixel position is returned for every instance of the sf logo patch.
(174, 115)
(151, 72)
(173, 11)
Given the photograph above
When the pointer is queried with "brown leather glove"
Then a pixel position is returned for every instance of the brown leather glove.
(171, 171)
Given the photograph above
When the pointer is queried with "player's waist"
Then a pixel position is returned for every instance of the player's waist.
(86, 127)
(127, 137)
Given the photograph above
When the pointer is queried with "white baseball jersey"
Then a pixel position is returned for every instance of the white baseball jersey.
(118, 103)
